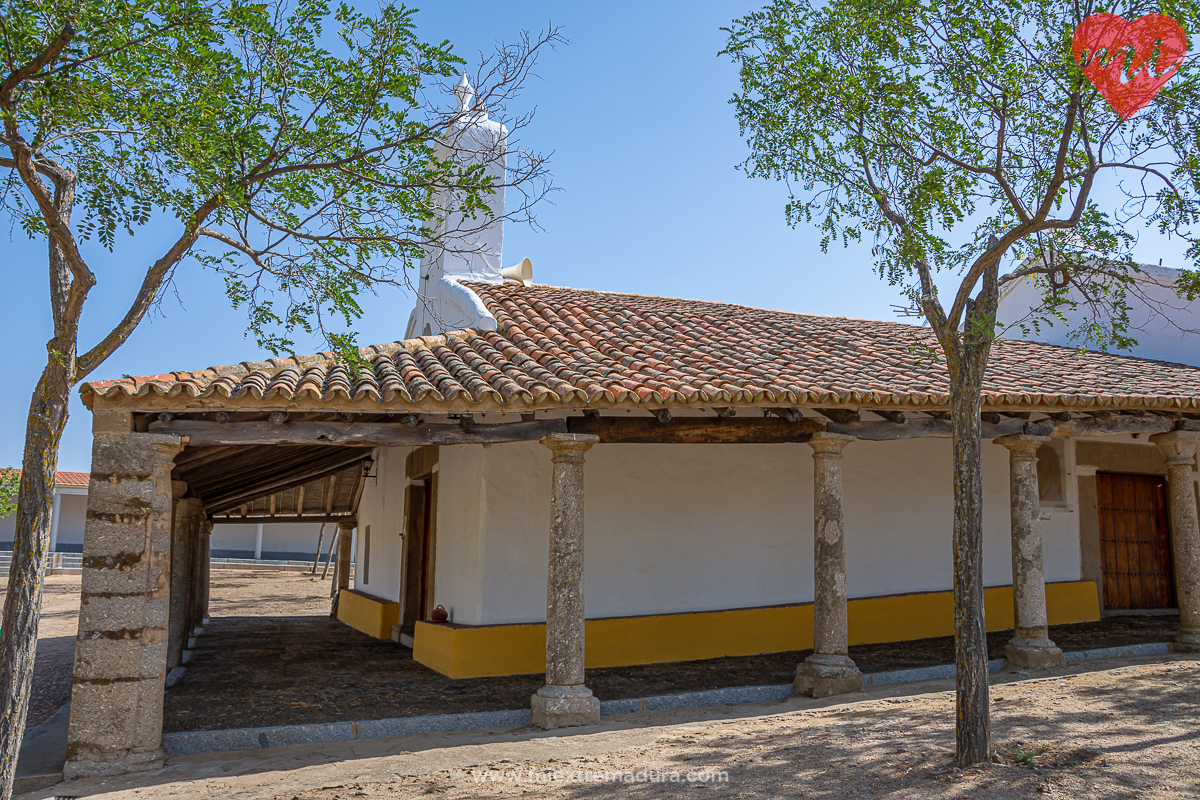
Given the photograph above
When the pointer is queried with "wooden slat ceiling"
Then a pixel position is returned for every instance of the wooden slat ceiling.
(274, 481)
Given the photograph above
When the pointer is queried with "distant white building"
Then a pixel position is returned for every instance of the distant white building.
(1167, 327)
(287, 541)
(70, 509)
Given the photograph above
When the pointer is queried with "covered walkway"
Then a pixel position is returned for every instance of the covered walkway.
(248, 672)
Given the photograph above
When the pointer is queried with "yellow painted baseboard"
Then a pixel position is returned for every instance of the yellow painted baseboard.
(369, 614)
(466, 651)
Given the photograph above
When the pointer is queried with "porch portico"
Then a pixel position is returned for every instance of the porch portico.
(682, 446)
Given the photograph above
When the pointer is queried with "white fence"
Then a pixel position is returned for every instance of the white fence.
(70, 563)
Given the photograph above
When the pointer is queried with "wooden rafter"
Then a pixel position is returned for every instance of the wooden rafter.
(273, 482)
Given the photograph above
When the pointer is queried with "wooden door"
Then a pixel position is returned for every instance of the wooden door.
(427, 551)
(1135, 543)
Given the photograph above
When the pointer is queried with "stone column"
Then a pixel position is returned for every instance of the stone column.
(564, 701)
(188, 515)
(1179, 448)
(345, 532)
(1030, 647)
(829, 670)
(196, 566)
(121, 648)
(205, 572)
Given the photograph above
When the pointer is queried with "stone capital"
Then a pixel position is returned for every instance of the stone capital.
(1022, 445)
(347, 524)
(826, 443)
(569, 446)
(178, 489)
(1178, 447)
(166, 446)
(189, 509)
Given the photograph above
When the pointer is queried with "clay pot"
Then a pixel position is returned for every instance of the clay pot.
(439, 614)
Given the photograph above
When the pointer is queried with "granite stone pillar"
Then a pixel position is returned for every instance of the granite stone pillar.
(564, 701)
(121, 648)
(345, 532)
(1030, 647)
(189, 514)
(829, 670)
(204, 551)
(1179, 448)
(196, 569)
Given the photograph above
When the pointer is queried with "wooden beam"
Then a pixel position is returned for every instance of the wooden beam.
(330, 489)
(193, 457)
(255, 463)
(1114, 425)
(917, 427)
(272, 483)
(359, 434)
(1101, 426)
(223, 520)
(695, 430)
(842, 416)
(633, 430)
(360, 482)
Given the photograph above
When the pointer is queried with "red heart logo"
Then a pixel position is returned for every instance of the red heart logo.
(1128, 62)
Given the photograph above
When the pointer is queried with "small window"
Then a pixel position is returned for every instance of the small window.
(367, 554)
(1049, 470)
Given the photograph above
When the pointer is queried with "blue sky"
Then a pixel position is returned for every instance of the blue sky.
(645, 145)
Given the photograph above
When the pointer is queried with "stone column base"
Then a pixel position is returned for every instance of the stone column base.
(1033, 654)
(564, 707)
(134, 762)
(823, 675)
(1188, 641)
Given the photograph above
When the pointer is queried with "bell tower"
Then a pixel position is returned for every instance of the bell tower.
(468, 244)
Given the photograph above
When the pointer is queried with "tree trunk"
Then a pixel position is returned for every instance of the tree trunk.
(31, 541)
(973, 729)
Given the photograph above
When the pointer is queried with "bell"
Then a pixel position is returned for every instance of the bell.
(522, 272)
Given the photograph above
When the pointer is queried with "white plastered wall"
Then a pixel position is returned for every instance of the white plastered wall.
(382, 507)
(674, 528)
(1151, 306)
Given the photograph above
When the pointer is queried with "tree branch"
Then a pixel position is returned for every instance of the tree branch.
(148, 291)
(45, 168)
(33, 67)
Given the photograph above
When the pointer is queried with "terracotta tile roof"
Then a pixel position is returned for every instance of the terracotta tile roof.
(574, 347)
(63, 478)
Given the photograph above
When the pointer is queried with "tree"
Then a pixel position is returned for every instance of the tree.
(306, 154)
(963, 137)
(10, 484)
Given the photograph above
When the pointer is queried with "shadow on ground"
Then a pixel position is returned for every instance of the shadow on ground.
(248, 672)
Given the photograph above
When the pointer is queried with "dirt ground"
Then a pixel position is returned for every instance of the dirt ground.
(267, 593)
(1106, 729)
(54, 662)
